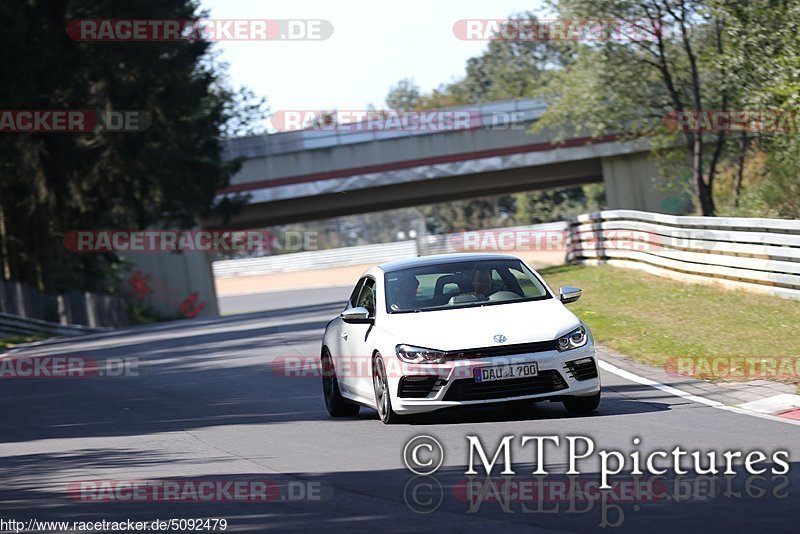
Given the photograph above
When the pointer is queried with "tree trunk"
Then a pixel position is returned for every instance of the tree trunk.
(706, 199)
(737, 191)
(702, 189)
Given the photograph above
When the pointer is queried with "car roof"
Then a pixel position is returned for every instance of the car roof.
(439, 259)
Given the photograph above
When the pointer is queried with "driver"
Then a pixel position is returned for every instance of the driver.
(404, 292)
(481, 283)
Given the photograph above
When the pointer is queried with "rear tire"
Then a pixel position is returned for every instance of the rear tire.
(582, 404)
(336, 404)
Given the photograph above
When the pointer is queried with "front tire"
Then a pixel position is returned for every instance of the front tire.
(582, 404)
(336, 404)
(383, 400)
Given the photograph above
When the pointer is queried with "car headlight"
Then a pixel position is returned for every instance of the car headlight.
(410, 354)
(573, 340)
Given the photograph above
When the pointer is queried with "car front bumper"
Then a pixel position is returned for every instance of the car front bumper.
(453, 384)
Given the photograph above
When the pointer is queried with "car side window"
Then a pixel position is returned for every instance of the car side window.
(356, 291)
(367, 296)
(528, 287)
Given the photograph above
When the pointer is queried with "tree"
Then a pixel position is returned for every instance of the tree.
(404, 96)
(686, 57)
(512, 68)
(56, 182)
(507, 69)
(547, 205)
(758, 30)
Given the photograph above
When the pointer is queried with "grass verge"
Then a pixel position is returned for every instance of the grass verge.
(653, 319)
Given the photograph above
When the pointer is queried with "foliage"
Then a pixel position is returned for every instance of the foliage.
(506, 69)
(706, 55)
(686, 56)
(51, 183)
(529, 207)
(404, 96)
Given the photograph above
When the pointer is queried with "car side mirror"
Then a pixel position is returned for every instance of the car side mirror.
(569, 294)
(359, 315)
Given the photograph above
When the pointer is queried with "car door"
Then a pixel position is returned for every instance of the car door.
(357, 346)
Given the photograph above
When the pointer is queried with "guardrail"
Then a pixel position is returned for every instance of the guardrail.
(69, 308)
(761, 255)
(15, 325)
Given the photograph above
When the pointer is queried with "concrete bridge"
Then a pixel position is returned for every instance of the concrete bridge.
(312, 174)
(318, 173)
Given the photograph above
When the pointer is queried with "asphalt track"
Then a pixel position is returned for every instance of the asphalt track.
(209, 404)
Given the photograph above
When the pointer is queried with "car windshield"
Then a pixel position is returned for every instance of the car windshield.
(460, 285)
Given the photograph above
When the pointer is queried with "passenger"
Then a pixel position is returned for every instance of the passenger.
(482, 287)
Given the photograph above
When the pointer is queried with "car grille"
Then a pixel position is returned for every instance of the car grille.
(502, 350)
(418, 387)
(581, 371)
(467, 389)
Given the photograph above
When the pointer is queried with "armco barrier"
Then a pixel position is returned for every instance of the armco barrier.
(20, 301)
(13, 325)
(761, 255)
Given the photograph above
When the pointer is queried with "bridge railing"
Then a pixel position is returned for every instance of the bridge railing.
(760, 255)
(521, 110)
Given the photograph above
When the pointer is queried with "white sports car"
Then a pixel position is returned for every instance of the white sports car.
(455, 330)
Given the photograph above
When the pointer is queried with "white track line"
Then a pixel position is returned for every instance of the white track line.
(627, 375)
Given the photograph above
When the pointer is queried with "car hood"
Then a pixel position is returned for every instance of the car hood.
(466, 328)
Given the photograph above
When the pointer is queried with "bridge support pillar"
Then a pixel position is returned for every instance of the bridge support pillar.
(631, 182)
(176, 286)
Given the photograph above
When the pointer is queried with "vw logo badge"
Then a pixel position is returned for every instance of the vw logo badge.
(500, 338)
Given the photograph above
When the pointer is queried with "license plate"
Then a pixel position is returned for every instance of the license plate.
(506, 372)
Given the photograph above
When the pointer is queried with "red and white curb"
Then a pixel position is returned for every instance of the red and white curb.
(786, 405)
(783, 408)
